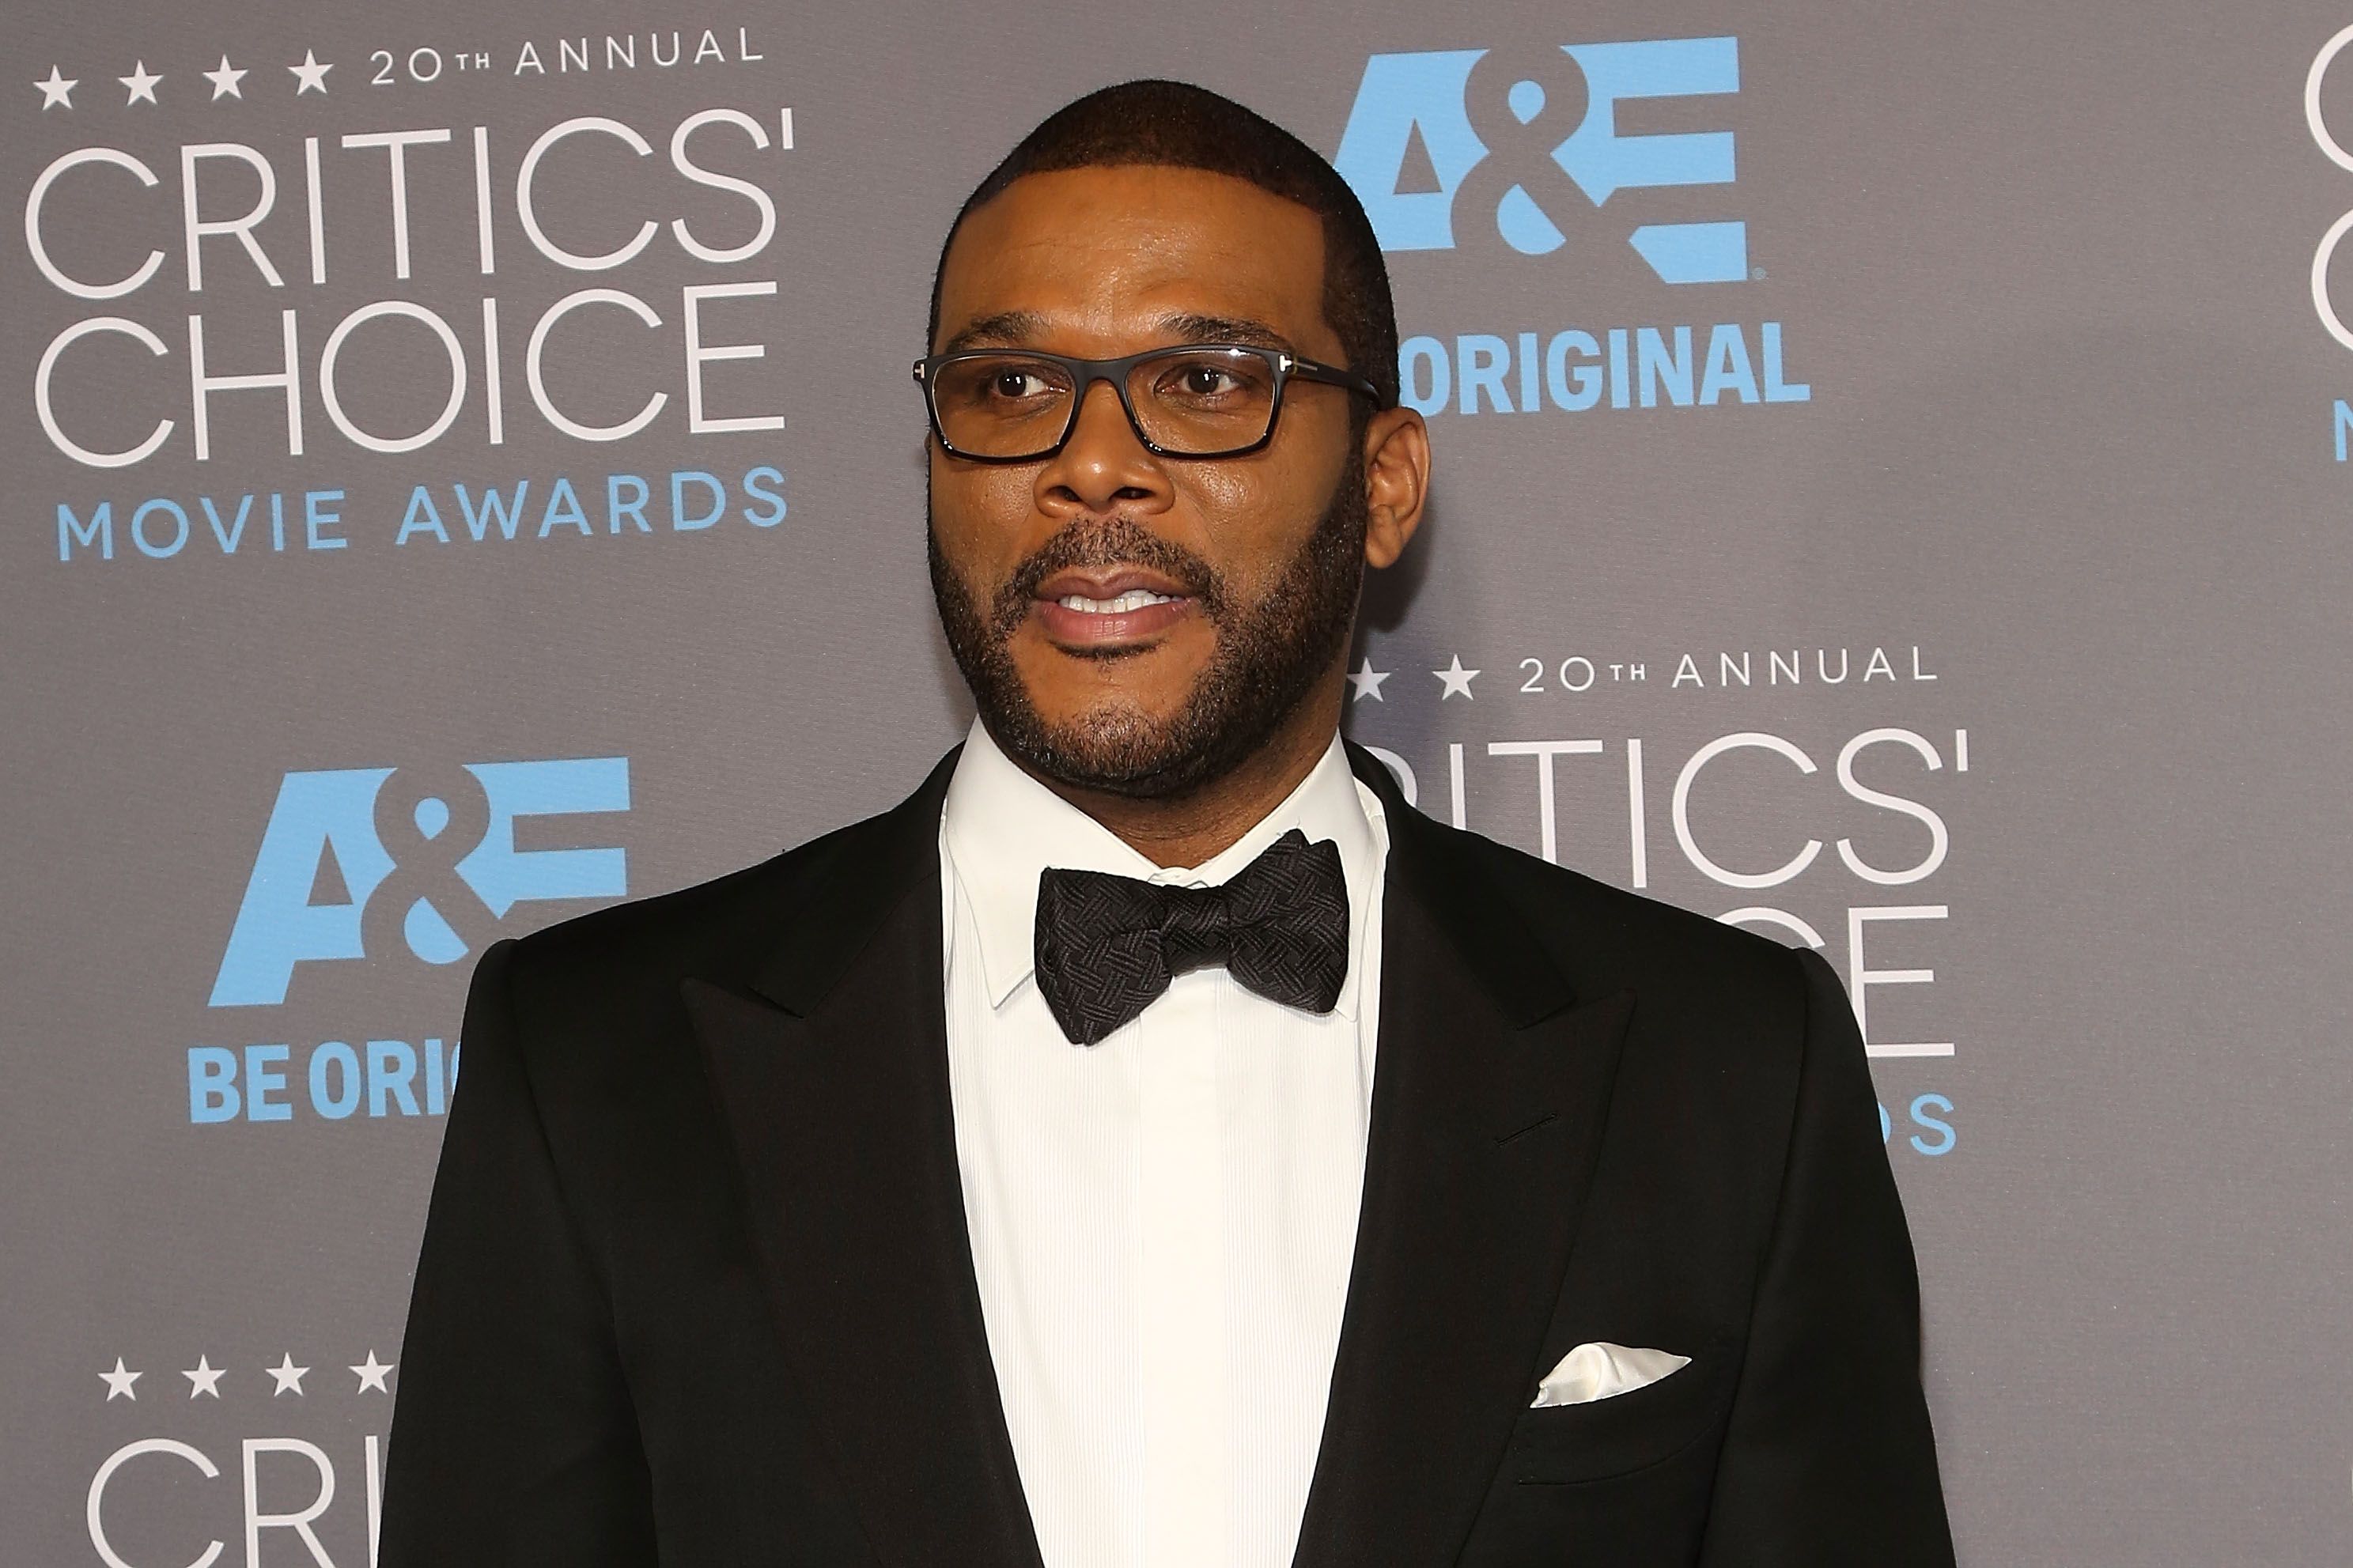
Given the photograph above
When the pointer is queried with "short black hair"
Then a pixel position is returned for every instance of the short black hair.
(1174, 124)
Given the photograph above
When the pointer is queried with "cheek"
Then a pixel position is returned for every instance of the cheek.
(1259, 512)
(983, 518)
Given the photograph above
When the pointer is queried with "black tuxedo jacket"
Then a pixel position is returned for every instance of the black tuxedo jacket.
(696, 1288)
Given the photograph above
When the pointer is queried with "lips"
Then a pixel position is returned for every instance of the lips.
(1092, 610)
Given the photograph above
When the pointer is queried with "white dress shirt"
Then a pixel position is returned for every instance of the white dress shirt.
(1162, 1224)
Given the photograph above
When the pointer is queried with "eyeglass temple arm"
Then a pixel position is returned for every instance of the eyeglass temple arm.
(1312, 370)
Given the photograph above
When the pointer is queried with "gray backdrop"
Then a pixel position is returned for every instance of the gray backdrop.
(2012, 374)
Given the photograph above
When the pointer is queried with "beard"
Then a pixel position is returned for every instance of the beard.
(1270, 653)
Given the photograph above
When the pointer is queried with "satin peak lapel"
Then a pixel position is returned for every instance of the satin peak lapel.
(1491, 1091)
(834, 1085)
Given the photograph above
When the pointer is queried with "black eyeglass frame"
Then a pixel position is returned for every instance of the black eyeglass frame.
(1085, 372)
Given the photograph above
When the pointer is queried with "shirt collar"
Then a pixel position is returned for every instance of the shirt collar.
(1001, 828)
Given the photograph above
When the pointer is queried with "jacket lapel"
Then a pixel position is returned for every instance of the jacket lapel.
(1491, 1091)
(833, 1084)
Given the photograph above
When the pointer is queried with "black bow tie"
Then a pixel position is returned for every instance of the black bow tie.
(1109, 945)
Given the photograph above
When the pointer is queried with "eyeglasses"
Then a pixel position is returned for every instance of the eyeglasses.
(1214, 400)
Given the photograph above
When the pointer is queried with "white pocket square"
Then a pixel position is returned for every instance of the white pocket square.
(1602, 1371)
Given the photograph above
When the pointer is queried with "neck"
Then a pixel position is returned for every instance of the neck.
(1213, 818)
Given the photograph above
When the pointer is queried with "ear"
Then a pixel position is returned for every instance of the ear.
(1396, 482)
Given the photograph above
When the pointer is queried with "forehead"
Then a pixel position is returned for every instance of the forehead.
(1097, 257)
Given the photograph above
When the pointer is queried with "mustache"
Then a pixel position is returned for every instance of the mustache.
(1111, 542)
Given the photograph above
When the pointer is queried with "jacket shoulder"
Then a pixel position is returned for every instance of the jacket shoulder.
(719, 929)
(1606, 938)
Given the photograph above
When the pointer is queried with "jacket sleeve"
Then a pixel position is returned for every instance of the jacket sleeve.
(514, 1440)
(1828, 1458)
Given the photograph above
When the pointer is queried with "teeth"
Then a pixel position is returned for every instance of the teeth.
(1134, 599)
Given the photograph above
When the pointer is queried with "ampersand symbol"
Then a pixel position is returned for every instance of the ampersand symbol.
(1522, 103)
(428, 819)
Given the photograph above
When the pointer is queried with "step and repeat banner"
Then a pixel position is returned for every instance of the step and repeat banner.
(1892, 494)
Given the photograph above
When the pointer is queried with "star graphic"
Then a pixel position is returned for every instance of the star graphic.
(119, 1382)
(370, 1373)
(224, 81)
(58, 90)
(309, 73)
(205, 1379)
(288, 1374)
(142, 83)
(1458, 679)
(1367, 682)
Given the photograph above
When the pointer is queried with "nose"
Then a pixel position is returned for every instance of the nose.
(1102, 468)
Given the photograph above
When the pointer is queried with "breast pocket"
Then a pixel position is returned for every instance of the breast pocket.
(1563, 1445)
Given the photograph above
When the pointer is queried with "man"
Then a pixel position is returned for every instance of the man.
(1152, 1142)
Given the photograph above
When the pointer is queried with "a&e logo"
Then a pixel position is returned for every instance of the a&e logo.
(1466, 146)
(356, 860)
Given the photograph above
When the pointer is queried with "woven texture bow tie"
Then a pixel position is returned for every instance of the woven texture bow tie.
(1108, 945)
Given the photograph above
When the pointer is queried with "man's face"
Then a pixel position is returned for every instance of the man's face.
(1129, 622)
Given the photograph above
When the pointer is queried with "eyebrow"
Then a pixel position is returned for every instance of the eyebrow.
(1006, 328)
(1013, 328)
(1194, 329)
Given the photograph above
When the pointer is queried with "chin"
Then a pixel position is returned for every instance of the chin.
(1150, 685)
(1117, 725)
(1119, 747)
